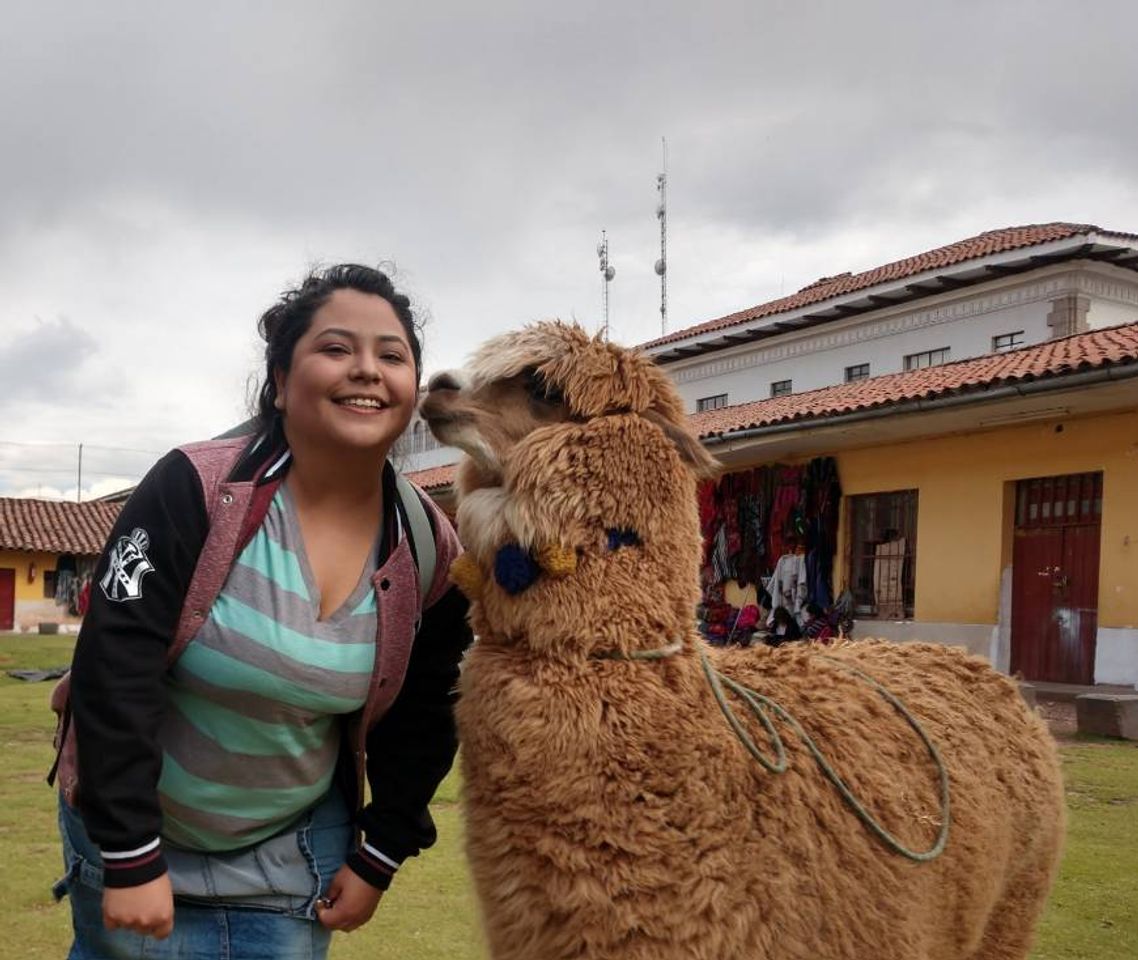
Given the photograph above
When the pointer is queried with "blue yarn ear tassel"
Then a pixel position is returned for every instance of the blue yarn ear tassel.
(624, 537)
(515, 569)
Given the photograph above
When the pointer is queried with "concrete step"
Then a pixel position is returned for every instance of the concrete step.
(1108, 714)
(1069, 691)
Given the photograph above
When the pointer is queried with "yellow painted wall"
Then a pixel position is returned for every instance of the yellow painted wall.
(963, 522)
(19, 560)
(31, 606)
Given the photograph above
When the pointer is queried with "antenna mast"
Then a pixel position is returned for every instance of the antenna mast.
(608, 271)
(662, 216)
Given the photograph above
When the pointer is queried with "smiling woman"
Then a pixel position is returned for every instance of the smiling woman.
(228, 716)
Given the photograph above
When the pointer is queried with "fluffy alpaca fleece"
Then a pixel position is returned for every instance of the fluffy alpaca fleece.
(611, 812)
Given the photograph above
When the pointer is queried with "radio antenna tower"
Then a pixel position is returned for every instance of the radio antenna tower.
(662, 216)
(608, 271)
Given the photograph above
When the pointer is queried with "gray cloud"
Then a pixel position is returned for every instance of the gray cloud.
(45, 364)
(168, 170)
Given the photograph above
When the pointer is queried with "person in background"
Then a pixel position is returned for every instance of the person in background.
(815, 624)
(784, 628)
(220, 798)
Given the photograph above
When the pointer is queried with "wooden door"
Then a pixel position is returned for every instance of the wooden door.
(1055, 578)
(7, 598)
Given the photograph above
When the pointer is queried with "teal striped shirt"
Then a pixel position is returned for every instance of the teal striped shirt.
(252, 728)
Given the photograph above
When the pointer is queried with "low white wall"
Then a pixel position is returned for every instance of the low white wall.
(29, 614)
(1116, 655)
(978, 638)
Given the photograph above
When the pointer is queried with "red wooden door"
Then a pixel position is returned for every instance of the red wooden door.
(1055, 578)
(7, 598)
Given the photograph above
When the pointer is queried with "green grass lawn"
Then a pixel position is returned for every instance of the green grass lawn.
(430, 911)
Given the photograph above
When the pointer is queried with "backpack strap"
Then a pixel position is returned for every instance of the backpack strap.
(421, 533)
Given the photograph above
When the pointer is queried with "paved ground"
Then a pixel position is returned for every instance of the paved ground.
(1060, 717)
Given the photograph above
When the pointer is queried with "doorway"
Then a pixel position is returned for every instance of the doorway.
(7, 598)
(1055, 561)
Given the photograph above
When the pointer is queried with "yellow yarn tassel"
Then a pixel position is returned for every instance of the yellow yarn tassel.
(557, 561)
(467, 575)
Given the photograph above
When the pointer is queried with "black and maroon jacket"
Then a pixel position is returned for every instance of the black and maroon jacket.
(165, 563)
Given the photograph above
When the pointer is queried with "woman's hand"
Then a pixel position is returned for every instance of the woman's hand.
(147, 909)
(353, 900)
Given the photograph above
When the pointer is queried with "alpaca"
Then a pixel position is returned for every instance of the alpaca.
(612, 811)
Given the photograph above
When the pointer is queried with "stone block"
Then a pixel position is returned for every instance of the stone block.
(1108, 714)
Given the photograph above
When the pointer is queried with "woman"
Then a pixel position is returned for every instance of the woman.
(232, 778)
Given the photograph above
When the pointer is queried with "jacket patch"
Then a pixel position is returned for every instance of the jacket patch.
(127, 565)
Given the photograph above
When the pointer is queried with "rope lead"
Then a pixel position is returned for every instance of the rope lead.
(756, 702)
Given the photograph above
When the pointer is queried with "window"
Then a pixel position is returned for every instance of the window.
(859, 371)
(929, 358)
(1007, 341)
(49, 584)
(883, 554)
(718, 402)
(780, 388)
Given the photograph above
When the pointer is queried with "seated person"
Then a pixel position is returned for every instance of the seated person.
(815, 624)
(784, 628)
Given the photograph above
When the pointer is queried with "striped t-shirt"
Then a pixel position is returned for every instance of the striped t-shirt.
(252, 729)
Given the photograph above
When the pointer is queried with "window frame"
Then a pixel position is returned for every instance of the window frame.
(714, 402)
(914, 361)
(782, 388)
(1011, 344)
(876, 514)
(851, 377)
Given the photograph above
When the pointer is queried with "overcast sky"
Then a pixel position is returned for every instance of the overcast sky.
(167, 169)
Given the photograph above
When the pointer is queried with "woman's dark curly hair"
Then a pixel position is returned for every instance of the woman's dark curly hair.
(286, 321)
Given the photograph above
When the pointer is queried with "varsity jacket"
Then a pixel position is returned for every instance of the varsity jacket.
(165, 563)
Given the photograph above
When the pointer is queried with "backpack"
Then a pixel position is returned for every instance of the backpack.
(421, 537)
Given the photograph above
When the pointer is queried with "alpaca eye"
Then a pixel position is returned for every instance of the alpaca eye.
(541, 390)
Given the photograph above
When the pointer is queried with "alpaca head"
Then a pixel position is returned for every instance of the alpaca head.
(576, 501)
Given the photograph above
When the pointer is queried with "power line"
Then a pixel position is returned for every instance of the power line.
(70, 471)
(72, 446)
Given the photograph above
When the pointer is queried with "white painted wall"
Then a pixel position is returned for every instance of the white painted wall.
(1105, 313)
(977, 638)
(965, 323)
(1116, 655)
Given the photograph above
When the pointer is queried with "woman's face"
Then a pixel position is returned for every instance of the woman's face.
(352, 382)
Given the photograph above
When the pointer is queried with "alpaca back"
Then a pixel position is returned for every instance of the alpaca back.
(613, 813)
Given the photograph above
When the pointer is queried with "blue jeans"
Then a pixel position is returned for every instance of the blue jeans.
(205, 930)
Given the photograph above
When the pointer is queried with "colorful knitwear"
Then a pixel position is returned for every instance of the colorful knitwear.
(252, 730)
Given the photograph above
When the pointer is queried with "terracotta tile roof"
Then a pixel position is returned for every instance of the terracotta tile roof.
(1115, 346)
(54, 526)
(433, 478)
(983, 245)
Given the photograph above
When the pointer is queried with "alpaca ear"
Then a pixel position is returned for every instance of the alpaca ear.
(691, 451)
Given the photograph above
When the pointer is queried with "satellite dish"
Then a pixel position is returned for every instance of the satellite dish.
(661, 268)
(610, 272)
(600, 249)
(660, 212)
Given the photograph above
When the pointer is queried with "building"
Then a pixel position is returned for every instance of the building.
(980, 404)
(998, 291)
(1011, 484)
(48, 548)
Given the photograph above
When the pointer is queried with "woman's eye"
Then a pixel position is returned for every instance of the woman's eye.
(393, 357)
(337, 349)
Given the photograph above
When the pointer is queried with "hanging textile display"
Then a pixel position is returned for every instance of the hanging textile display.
(773, 528)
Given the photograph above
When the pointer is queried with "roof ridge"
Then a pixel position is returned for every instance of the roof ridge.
(1004, 239)
(925, 380)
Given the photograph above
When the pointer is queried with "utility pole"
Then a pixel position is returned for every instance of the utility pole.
(608, 271)
(79, 478)
(662, 216)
